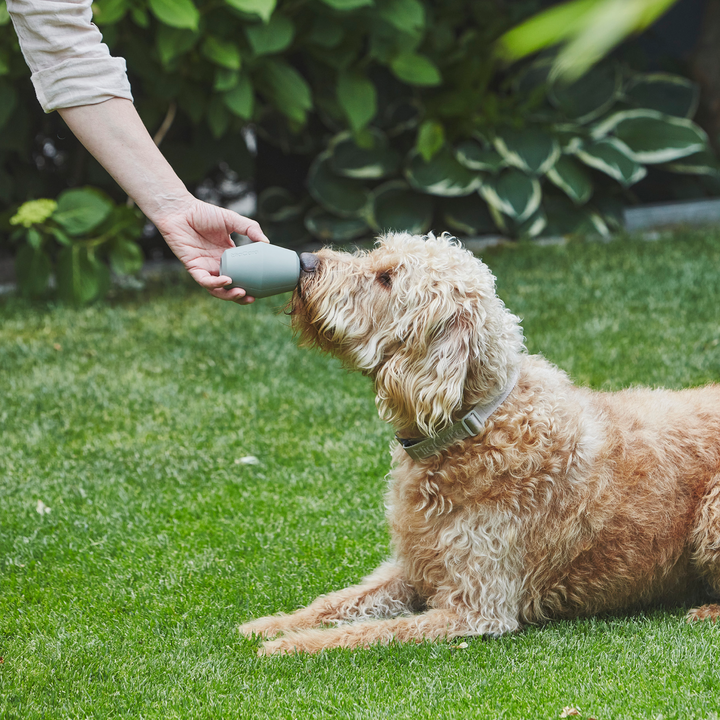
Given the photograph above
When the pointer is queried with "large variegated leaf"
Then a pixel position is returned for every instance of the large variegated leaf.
(513, 193)
(278, 205)
(612, 157)
(327, 227)
(468, 215)
(533, 226)
(700, 163)
(653, 137)
(474, 155)
(395, 206)
(589, 97)
(532, 150)
(666, 93)
(443, 175)
(565, 218)
(348, 159)
(572, 178)
(338, 195)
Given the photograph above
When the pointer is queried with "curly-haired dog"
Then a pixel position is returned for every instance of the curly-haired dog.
(548, 501)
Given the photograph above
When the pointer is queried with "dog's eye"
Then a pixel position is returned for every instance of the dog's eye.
(385, 278)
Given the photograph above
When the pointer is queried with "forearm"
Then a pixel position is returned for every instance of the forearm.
(115, 135)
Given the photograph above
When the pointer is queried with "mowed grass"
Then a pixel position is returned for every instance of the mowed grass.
(132, 421)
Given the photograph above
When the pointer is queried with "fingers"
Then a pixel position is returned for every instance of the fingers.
(246, 226)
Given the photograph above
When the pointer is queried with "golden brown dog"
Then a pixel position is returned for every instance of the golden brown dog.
(562, 502)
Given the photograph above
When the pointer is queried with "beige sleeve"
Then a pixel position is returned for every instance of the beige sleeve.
(70, 64)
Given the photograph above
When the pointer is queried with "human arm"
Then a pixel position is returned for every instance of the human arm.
(73, 72)
(197, 232)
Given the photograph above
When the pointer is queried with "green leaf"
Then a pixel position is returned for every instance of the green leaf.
(533, 226)
(408, 16)
(81, 277)
(172, 42)
(572, 178)
(326, 32)
(532, 150)
(565, 218)
(80, 211)
(60, 236)
(394, 206)
(225, 79)
(401, 116)
(513, 193)
(475, 156)
(415, 69)
(431, 138)
(327, 227)
(286, 234)
(278, 205)
(107, 12)
(653, 137)
(545, 28)
(176, 13)
(613, 158)
(34, 238)
(32, 269)
(271, 37)
(347, 4)
(358, 99)
(348, 159)
(140, 17)
(287, 88)
(469, 215)
(443, 175)
(700, 163)
(666, 93)
(591, 96)
(218, 117)
(126, 257)
(338, 195)
(240, 100)
(262, 8)
(222, 52)
(8, 101)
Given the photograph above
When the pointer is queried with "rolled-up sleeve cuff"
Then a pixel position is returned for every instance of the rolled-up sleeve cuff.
(81, 81)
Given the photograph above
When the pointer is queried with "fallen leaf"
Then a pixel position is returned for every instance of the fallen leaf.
(569, 711)
(41, 508)
(57, 346)
(247, 460)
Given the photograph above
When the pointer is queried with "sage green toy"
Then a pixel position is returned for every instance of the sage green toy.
(261, 269)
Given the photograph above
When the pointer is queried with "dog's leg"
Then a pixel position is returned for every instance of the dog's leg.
(706, 554)
(384, 594)
(430, 625)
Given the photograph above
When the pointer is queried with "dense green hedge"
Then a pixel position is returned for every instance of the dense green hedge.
(403, 111)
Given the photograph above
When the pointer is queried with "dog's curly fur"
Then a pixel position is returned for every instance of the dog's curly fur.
(568, 503)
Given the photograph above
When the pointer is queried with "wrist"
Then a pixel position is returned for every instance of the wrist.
(158, 208)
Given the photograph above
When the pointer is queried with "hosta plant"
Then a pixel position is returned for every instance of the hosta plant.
(565, 165)
(78, 238)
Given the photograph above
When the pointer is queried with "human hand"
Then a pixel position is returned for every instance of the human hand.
(198, 233)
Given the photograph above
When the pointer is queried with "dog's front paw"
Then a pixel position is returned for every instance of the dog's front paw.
(305, 641)
(266, 627)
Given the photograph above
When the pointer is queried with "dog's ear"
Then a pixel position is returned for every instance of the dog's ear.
(423, 383)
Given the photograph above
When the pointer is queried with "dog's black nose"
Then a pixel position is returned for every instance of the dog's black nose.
(308, 262)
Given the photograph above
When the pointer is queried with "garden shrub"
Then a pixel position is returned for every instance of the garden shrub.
(404, 113)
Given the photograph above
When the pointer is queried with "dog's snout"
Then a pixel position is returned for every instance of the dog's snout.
(308, 262)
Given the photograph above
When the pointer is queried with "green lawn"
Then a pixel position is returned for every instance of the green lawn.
(129, 420)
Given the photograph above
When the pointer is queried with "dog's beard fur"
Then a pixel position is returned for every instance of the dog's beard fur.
(418, 315)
